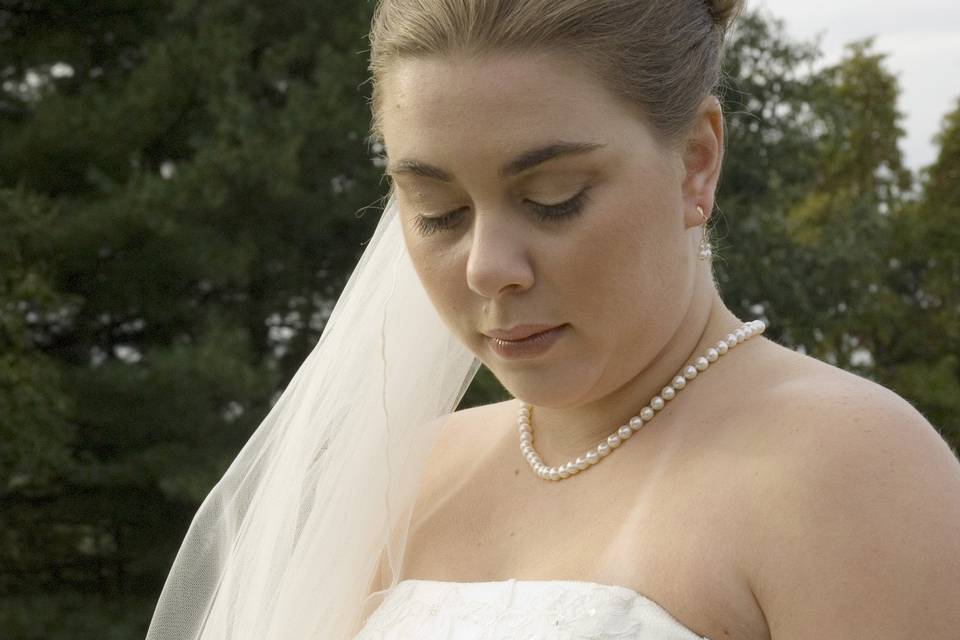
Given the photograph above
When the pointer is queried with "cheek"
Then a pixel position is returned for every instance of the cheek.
(632, 287)
(634, 255)
(441, 273)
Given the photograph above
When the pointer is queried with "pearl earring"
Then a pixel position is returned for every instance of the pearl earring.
(705, 251)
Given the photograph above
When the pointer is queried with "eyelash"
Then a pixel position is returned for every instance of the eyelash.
(545, 213)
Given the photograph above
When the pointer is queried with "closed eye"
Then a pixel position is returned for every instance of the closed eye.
(428, 225)
(561, 209)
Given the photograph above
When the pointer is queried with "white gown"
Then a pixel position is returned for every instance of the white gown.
(519, 610)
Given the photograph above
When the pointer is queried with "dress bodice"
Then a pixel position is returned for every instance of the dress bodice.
(519, 610)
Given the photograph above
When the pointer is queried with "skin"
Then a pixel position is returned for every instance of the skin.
(636, 314)
(773, 479)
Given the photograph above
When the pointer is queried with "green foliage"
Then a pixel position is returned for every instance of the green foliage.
(918, 323)
(770, 164)
(178, 192)
(484, 389)
(41, 616)
(179, 188)
(828, 237)
(35, 435)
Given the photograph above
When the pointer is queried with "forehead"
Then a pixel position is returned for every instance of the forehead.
(507, 99)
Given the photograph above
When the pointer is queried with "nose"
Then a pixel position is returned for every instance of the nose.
(498, 260)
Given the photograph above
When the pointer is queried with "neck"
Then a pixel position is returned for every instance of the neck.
(562, 434)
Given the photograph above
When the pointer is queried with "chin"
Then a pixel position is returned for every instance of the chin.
(536, 389)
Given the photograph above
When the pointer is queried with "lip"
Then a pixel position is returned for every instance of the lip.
(520, 331)
(533, 345)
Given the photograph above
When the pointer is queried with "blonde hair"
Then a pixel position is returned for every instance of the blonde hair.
(662, 56)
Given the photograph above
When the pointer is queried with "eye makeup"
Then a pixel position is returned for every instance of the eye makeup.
(551, 213)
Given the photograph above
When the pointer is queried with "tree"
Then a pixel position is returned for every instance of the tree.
(770, 163)
(919, 331)
(183, 189)
(179, 198)
(827, 237)
(815, 232)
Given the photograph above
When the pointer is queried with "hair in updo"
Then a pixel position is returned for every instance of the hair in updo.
(662, 56)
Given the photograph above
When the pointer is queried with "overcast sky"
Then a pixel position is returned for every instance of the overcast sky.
(922, 38)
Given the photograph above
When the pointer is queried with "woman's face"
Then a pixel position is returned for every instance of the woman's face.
(594, 238)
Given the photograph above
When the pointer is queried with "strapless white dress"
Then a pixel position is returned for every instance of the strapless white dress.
(519, 610)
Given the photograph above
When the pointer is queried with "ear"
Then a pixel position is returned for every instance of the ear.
(702, 158)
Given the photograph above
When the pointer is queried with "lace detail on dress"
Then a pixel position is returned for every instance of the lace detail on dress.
(520, 610)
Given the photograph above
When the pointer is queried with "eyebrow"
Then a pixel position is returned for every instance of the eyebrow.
(524, 161)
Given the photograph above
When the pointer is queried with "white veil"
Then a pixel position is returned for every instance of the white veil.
(286, 544)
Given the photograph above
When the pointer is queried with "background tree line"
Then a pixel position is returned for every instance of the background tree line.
(184, 190)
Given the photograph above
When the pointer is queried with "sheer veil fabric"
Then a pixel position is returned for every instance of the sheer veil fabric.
(288, 541)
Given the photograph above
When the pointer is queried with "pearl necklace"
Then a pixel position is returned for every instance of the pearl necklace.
(658, 402)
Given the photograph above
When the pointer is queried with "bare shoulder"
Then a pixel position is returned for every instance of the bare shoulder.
(440, 467)
(857, 513)
(460, 436)
(462, 431)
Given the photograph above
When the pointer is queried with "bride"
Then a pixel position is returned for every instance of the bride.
(663, 470)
